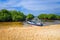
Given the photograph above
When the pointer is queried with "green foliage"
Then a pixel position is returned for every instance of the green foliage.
(4, 11)
(51, 16)
(6, 15)
(30, 17)
(58, 17)
(17, 16)
(42, 16)
(14, 15)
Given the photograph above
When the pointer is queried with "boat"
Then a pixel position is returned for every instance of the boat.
(33, 23)
(30, 22)
(39, 24)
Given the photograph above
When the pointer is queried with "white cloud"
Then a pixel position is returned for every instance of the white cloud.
(40, 4)
(10, 3)
(32, 4)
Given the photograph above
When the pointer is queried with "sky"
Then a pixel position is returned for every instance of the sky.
(34, 7)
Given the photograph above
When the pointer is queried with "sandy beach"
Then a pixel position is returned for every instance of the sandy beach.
(51, 32)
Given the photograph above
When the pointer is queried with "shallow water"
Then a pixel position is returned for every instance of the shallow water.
(10, 24)
(21, 24)
(52, 23)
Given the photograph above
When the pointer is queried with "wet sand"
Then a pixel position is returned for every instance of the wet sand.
(51, 32)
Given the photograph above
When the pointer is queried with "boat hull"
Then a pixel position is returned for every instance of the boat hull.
(37, 24)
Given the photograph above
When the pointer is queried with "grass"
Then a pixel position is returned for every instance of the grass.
(31, 33)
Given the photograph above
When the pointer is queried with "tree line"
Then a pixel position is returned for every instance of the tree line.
(49, 16)
(14, 16)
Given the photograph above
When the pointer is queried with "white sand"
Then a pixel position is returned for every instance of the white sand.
(31, 33)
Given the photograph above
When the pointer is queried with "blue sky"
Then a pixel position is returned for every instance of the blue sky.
(35, 7)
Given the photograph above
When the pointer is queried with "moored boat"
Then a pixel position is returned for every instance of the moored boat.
(34, 23)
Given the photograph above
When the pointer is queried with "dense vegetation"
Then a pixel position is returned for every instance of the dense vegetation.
(6, 16)
(49, 16)
(30, 17)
